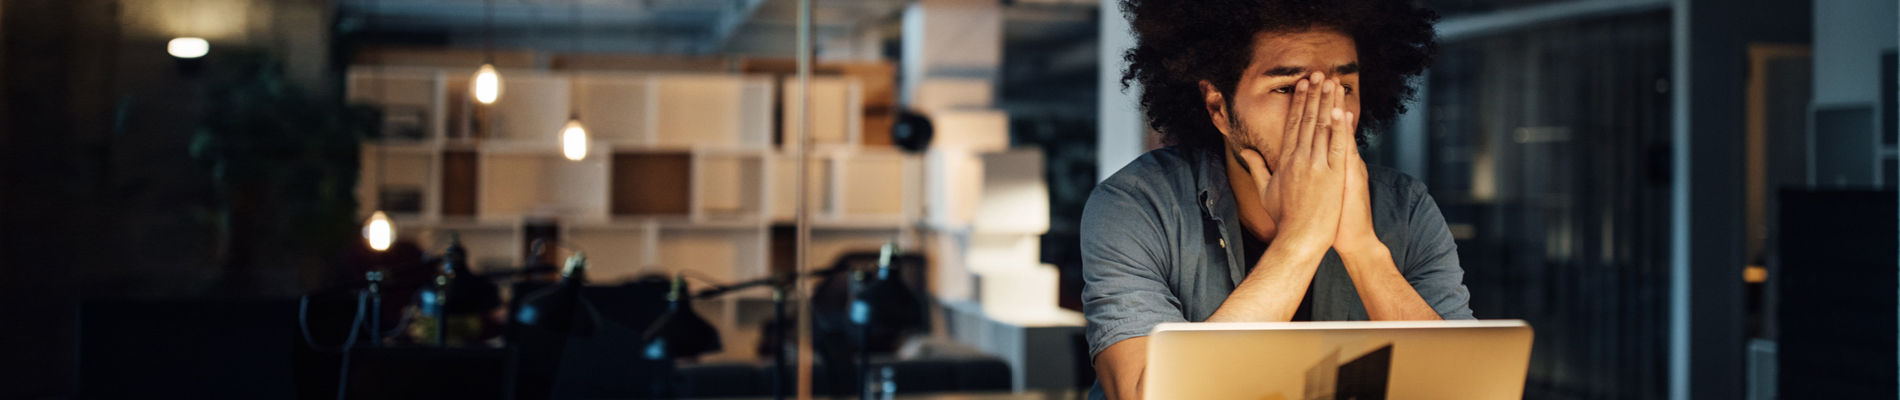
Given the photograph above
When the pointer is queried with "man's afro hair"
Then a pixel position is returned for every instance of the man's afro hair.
(1180, 43)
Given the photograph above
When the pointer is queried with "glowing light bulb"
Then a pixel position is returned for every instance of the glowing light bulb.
(379, 231)
(574, 139)
(486, 86)
(188, 47)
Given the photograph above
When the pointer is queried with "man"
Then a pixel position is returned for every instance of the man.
(1261, 208)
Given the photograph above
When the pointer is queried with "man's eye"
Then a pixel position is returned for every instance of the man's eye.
(1348, 88)
(1283, 89)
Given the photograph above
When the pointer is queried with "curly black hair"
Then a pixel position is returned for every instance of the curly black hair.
(1179, 43)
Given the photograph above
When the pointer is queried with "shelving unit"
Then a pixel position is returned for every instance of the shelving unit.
(690, 150)
(684, 172)
(691, 170)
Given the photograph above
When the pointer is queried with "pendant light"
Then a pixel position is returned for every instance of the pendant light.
(487, 84)
(379, 231)
(485, 87)
(574, 139)
(574, 135)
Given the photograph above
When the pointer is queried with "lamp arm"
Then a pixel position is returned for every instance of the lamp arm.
(778, 279)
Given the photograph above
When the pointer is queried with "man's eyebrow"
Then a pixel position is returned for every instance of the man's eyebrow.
(1288, 71)
(1348, 69)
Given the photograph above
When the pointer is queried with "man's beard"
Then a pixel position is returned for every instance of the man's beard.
(1245, 138)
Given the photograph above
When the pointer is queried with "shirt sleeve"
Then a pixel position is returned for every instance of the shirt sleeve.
(1124, 258)
(1432, 267)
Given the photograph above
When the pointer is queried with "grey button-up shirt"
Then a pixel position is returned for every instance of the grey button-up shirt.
(1161, 243)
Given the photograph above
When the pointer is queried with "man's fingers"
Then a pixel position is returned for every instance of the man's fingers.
(1257, 167)
(1290, 134)
(1352, 133)
(1296, 144)
(1310, 114)
(1340, 141)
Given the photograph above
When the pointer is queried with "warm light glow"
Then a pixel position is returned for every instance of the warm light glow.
(487, 85)
(188, 47)
(379, 231)
(574, 140)
(1755, 274)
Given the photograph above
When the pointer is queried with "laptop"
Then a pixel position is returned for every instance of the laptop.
(1338, 360)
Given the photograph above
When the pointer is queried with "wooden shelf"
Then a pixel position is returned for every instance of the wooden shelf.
(693, 110)
(615, 108)
(515, 182)
(836, 110)
(411, 99)
(533, 107)
(652, 184)
(405, 172)
(729, 186)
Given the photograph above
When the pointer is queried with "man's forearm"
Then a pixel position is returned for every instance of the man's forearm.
(1273, 291)
(1385, 292)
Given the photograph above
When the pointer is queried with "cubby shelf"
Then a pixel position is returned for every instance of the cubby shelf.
(683, 172)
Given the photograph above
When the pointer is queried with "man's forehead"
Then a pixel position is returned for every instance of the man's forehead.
(1324, 49)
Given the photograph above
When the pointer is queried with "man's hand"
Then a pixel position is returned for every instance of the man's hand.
(1355, 218)
(1303, 195)
(1265, 229)
(1384, 291)
(1309, 183)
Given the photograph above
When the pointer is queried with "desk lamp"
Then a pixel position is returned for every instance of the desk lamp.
(679, 332)
(883, 302)
(556, 308)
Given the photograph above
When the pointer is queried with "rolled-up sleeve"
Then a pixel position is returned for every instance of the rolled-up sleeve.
(1125, 258)
(1432, 267)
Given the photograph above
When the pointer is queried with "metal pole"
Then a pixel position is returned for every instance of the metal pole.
(804, 213)
(778, 342)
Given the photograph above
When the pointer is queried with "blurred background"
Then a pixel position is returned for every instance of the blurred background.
(596, 198)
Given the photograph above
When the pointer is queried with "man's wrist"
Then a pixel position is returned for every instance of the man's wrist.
(1352, 253)
(1298, 249)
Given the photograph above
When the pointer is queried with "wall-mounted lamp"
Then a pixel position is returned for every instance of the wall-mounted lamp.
(188, 47)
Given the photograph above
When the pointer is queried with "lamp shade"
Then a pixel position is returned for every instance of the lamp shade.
(912, 132)
(885, 302)
(560, 308)
(679, 332)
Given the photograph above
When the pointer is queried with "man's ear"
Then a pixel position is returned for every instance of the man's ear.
(1216, 107)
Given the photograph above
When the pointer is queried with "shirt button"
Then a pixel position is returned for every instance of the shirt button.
(1223, 243)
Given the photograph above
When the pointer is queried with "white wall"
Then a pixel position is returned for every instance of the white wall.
(1122, 131)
